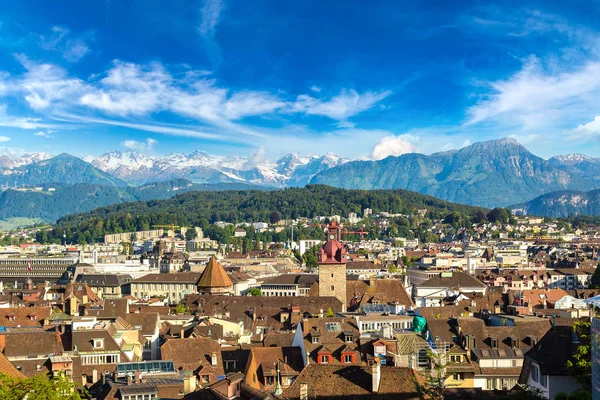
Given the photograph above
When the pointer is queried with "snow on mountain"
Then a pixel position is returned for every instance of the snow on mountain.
(26, 159)
(571, 159)
(202, 167)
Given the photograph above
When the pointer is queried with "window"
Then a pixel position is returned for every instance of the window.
(230, 365)
(11, 317)
(349, 338)
(347, 358)
(332, 287)
(455, 359)
(332, 275)
(98, 343)
(269, 380)
(458, 377)
(544, 380)
(324, 359)
(315, 339)
(534, 373)
(204, 379)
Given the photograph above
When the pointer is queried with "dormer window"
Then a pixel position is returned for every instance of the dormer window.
(32, 317)
(315, 339)
(494, 342)
(11, 317)
(98, 343)
(349, 338)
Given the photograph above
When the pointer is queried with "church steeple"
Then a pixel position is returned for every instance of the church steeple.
(332, 266)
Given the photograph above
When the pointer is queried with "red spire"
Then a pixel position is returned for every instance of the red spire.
(333, 251)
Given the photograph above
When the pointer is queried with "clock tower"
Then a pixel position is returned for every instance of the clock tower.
(332, 266)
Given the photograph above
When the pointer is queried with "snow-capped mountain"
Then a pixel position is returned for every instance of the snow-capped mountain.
(572, 159)
(26, 159)
(201, 167)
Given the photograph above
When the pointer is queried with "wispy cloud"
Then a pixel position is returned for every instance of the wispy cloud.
(536, 97)
(142, 147)
(341, 107)
(60, 39)
(4, 138)
(49, 134)
(210, 15)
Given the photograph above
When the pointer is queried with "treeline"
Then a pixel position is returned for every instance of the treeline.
(205, 208)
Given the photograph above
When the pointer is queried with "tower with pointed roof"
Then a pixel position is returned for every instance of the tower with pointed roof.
(332, 266)
(214, 279)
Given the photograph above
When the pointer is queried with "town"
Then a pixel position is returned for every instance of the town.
(498, 308)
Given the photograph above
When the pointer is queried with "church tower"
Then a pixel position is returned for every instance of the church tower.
(332, 266)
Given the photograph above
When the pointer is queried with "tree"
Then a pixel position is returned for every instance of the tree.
(329, 312)
(500, 215)
(275, 217)
(435, 381)
(393, 269)
(181, 309)
(255, 291)
(580, 366)
(596, 277)
(38, 387)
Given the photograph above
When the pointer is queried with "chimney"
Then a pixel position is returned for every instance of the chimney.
(371, 281)
(115, 376)
(129, 380)
(254, 314)
(103, 379)
(84, 299)
(376, 374)
(213, 359)
(137, 375)
(321, 313)
(95, 375)
(307, 357)
(304, 391)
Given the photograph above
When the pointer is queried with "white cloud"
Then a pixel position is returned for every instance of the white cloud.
(534, 97)
(243, 104)
(394, 146)
(44, 84)
(75, 50)
(4, 138)
(130, 89)
(587, 131)
(210, 14)
(49, 134)
(347, 104)
(72, 50)
(315, 89)
(142, 147)
(132, 94)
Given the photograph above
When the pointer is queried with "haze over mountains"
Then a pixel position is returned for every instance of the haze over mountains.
(495, 173)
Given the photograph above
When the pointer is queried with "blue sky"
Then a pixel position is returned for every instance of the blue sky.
(365, 79)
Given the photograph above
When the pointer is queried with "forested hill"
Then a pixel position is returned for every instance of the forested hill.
(56, 200)
(203, 208)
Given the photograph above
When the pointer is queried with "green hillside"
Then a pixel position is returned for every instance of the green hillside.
(201, 208)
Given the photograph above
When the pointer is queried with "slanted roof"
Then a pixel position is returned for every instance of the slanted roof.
(457, 279)
(354, 382)
(214, 275)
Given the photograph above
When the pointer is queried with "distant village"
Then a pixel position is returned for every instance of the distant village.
(152, 315)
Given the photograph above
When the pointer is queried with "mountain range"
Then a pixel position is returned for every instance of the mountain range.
(497, 173)
(201, 167)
